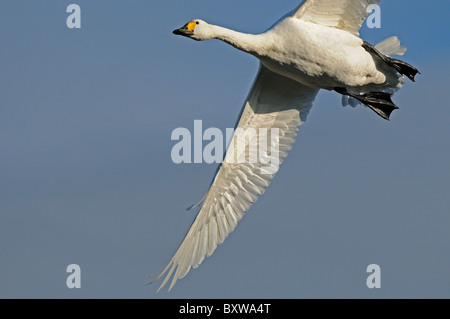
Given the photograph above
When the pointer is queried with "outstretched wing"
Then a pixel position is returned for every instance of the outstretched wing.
(274, 102)
(347, 15)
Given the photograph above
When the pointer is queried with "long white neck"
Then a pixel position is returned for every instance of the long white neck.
(250, 43)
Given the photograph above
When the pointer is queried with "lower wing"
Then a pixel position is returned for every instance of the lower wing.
(274, 110)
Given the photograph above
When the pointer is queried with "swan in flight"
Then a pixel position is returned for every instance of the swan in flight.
(316, 46)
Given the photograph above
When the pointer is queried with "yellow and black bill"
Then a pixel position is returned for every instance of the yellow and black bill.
(187, 30)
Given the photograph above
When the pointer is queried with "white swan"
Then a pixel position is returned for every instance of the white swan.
(317, 46)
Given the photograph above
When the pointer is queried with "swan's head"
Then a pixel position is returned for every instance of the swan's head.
(196, 29)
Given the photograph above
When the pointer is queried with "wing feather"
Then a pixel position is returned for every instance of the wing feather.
(347, 15)
(274, 102)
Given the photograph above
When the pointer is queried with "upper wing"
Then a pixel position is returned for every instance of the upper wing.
(347, 15)
(275, 102)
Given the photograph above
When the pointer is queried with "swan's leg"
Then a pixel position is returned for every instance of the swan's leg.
(401, 67)
(379, 102)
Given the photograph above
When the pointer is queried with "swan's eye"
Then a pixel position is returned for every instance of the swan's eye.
(197, 22)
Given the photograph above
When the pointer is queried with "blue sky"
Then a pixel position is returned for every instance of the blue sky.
(86, 175)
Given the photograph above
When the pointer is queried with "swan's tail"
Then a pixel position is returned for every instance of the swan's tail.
(391, 46)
